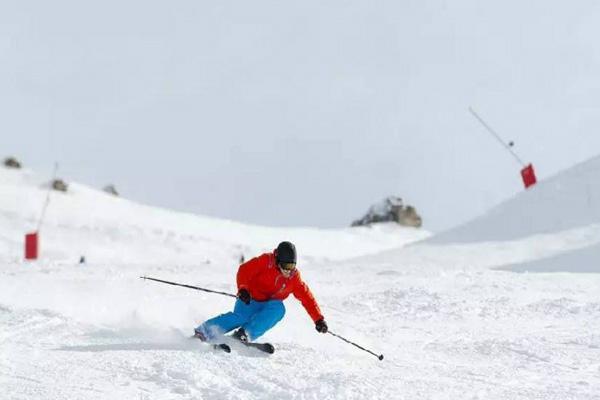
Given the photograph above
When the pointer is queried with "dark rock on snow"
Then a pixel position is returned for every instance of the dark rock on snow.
(111, 189)
(60, 185)
(11, 162)
(391, 209)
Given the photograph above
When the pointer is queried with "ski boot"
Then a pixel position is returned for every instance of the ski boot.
(241, 335)
(200, 335)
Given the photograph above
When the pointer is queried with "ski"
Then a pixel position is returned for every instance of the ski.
(222, 346)
(264, 347)
(215, 346)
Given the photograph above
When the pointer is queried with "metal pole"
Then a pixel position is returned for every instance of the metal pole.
(47, 198)
(379, 356)
(493, 133)
(188, 286)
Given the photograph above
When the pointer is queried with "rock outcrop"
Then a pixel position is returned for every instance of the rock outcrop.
(60, 185)
(11, 162)
(391, 209)
(111, 189)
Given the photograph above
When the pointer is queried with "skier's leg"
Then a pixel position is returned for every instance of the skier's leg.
(224, 323)
(271, 313)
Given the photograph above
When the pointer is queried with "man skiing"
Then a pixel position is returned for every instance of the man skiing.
(263, 283)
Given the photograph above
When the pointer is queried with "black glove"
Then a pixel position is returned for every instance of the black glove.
(244, 295)
(321, 326)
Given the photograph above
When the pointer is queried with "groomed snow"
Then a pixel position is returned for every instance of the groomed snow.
(583, 260)
(449, 324)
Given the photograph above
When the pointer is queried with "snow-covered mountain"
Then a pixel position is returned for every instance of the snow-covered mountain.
(449, 324)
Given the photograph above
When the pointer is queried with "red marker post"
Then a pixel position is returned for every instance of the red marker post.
(32, 240)
(31, 246)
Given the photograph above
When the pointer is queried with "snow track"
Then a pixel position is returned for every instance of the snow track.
(444, 334)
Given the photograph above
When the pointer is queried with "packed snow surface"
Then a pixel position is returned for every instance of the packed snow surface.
(449, 323)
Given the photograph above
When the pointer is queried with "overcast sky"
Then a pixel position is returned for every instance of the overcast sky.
(300, 113)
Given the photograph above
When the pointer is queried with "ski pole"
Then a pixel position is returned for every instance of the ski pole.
(380, 356)
(188, 286)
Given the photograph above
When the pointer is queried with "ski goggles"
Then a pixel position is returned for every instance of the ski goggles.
(288, 267)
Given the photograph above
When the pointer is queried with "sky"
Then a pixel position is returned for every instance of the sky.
(300, 113)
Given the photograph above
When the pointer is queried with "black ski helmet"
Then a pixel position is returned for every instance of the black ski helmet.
(285, 253)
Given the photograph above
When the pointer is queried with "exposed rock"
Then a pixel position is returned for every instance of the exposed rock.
(391, 209)
(111, 189)
(60, 185)
(11, 162)
(408, 216)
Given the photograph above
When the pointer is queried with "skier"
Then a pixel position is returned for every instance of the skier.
(263, 283)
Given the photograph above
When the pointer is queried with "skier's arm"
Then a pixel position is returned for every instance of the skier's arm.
(249, 269)
(302, 292)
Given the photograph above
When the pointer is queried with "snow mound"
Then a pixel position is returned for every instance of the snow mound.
(568, 200)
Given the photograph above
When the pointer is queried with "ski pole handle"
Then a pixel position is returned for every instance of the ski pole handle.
(188, 286)
(379, 356)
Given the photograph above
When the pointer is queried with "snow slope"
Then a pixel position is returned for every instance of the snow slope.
(111, 229)
(584, 260)
(570, 199)
(449, 325)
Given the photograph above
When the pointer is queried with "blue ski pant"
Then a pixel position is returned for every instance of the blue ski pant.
(256, 318)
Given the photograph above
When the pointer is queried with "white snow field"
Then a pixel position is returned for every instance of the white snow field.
(450, 324)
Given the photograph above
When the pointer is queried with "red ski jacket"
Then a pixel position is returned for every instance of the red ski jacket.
(262, 278)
